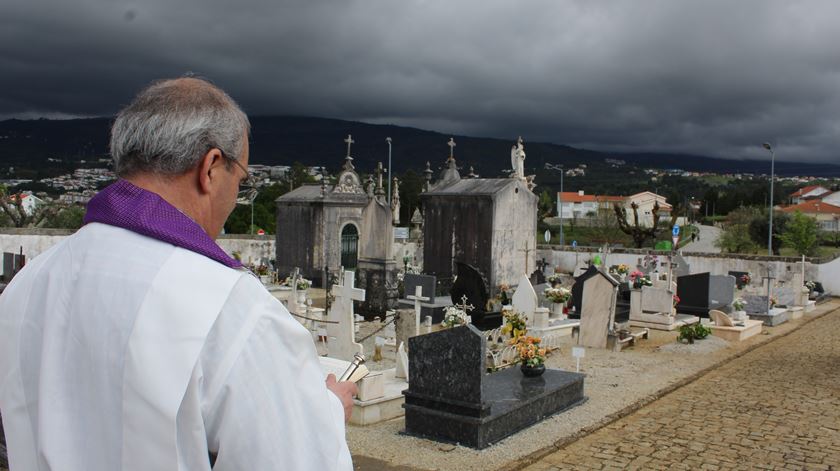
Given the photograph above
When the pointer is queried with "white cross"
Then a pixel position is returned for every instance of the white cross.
(417, 297)
(346, 291)
(349, 141)
(451, 145)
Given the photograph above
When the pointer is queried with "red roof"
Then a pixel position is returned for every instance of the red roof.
(805, 190)
(812, 207)
(574, 197)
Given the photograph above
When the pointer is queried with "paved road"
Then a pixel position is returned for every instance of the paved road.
(777, 407)
(706, 241)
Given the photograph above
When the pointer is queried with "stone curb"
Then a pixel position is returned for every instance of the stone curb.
(633, 407)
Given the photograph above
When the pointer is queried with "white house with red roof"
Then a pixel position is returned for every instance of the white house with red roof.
(808, 192)
(580, 206)
(827, 215)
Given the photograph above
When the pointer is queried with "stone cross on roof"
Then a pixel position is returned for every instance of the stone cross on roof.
(349, 142)
(451, 145)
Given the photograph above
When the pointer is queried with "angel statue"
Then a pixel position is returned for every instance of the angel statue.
(517, 159)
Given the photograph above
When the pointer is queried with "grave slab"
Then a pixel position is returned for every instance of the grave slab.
(775, 317)
(451, 398)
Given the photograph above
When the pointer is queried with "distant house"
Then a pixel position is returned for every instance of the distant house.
(583, 208)
(645, 201)
(831, 198)
(29, 202)
(827, 215)
(808, 192)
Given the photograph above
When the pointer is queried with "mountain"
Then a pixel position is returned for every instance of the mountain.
(282, 140)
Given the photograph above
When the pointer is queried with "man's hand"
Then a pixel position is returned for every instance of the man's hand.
(345, 391)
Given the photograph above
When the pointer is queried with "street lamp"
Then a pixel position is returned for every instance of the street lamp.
(388, 140)
(767, 146)
(562, 171)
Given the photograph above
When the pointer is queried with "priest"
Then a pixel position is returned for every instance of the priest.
(138, 344)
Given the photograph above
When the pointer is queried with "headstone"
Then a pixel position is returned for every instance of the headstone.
(525, 298)
(451, 398)
(426, 282)
(786, 295)
(656, 300)
(702, 292)
(472, 284)
(342, 344)
(8, 266)
(755, 304)
(721, 290)
(597, 313)
(577, 289)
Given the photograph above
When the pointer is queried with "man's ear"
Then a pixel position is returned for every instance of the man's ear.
(207, 168)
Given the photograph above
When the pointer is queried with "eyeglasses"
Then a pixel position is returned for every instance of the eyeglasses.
(246, 183)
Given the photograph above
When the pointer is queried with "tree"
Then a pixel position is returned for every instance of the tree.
(12, 208)
(735, 238)
(545, 206)
(801, 234)
(759, 225)
(70, 217)
(639, 233)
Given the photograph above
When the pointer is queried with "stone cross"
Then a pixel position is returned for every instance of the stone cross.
(349, 141)
(527, 251)
(417, 297)
(341, 311)
(451, 145)
(541, 264)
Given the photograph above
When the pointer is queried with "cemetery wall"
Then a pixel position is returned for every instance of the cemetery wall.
(36, 241)
(826, 272)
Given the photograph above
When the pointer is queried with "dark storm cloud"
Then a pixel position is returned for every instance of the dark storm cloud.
(702, 77)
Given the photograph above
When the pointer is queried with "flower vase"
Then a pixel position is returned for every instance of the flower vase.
(301, 297)
(556, 310)
(740, 316)
(265, 279)
(532, 371)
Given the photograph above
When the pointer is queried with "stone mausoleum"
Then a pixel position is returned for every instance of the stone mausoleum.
(321, 228)
(488, 223)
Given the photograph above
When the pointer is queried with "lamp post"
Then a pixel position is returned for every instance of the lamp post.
(562, 171)
(388, 140)
(767, 146)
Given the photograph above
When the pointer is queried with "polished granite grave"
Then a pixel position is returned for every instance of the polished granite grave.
(452, 399)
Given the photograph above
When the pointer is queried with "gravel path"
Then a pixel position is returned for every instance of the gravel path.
(617, 383)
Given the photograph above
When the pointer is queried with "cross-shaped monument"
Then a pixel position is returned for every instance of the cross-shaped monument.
(464, 306)
(527, 251)
(451, 145)
(341, 311)
(349, 141)
(417, 297)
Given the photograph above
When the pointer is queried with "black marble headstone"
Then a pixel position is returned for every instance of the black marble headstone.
(472, 284)
(8, 266)
(693, 291)
(577, 289)
(450, 397)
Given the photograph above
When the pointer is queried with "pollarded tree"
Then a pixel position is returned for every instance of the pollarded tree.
(801, 234)
(638, 232)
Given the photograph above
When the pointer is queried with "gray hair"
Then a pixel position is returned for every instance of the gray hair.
(171, 124)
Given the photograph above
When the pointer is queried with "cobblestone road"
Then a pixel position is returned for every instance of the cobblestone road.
(777, 407)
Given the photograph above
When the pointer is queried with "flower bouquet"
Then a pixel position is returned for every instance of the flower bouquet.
(531, 356)
(739, 304)
(454, 317)
(639, 279)
(743, 280)
(504, 294)
(555, 279)
(558, 295)
(514, 324)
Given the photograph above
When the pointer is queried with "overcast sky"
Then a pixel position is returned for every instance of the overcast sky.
(703, 77)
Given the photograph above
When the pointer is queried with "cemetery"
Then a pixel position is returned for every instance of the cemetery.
(488, 349)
